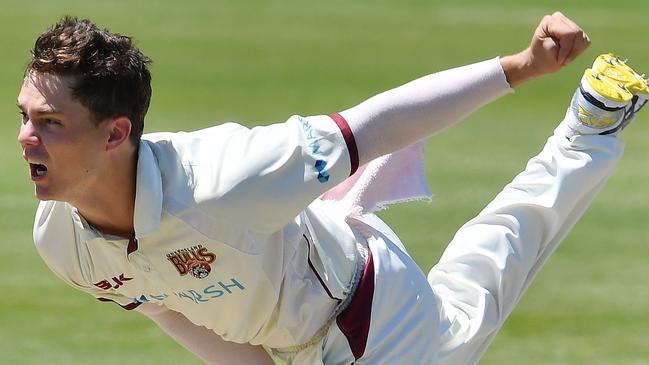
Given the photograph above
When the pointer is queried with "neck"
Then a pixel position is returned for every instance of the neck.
(110, 206)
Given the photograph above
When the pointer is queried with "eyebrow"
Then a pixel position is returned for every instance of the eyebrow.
(41, 111)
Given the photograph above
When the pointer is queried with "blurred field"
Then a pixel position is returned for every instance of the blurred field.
(260, 61)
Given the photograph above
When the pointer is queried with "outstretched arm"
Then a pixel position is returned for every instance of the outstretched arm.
(399, 117)
(282, 168)
(202, 342)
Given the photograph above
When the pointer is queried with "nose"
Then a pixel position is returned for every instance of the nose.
(27, 135)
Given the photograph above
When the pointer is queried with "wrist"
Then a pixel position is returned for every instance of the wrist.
(518, 68)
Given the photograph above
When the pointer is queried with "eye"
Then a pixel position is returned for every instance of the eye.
(23, 116)
(52, 122)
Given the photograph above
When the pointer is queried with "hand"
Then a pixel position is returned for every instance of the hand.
(556, 42)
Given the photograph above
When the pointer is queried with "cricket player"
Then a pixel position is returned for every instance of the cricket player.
(221, 236)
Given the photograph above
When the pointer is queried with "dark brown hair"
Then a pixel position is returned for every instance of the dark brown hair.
(112, 75)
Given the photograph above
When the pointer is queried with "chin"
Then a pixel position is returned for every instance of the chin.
(43, 194)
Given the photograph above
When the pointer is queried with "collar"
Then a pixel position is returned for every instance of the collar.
(85, 230)
(148, 192)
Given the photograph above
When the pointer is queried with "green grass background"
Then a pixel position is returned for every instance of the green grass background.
(261, 61)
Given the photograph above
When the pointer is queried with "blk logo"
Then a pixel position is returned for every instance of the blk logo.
(114, 283)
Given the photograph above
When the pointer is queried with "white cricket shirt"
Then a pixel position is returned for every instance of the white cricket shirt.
(220, 227)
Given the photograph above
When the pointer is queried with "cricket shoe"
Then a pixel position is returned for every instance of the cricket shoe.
(609, 96)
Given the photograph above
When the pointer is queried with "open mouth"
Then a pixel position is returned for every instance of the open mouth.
(38, 171)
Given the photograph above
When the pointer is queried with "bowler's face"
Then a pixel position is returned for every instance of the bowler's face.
(59, 140)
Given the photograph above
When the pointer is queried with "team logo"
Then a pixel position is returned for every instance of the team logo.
(194, 260)
(200, 269)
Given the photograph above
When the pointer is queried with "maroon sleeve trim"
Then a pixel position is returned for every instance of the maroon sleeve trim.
(349, 140)
(128, 307)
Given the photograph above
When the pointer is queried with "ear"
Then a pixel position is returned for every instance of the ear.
(119, 131)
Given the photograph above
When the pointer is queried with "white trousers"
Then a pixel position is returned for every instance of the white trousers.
(451, 316)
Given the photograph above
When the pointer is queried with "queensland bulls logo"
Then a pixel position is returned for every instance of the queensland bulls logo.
(195, 260)
(199, 269)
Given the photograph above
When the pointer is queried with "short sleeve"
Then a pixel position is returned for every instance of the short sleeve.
(265, 176)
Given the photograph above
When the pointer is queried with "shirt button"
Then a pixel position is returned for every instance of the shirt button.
(146, 268)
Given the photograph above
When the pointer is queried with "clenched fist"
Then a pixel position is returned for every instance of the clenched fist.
(557, 41)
